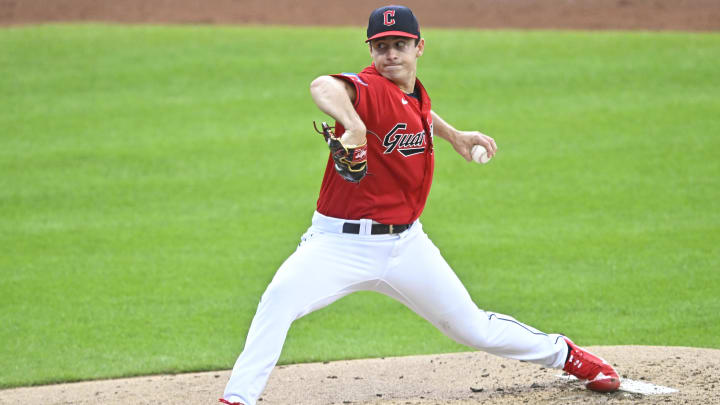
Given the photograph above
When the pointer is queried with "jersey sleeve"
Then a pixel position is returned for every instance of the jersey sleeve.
(361, 87)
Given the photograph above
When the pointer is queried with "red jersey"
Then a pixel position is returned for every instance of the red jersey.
(400, 155)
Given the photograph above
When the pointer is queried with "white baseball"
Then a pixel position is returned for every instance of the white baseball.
(479, 154)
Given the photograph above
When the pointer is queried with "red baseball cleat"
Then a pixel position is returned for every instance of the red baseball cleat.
(225, 401)
(600, 375)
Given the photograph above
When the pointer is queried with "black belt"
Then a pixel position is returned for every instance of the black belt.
(377, 229)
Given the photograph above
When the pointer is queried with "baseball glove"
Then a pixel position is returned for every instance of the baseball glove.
(350, 160)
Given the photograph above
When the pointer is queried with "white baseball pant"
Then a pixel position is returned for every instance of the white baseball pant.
(329, 264)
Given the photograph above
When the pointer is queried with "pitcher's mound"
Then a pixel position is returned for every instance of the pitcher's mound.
(458, 378)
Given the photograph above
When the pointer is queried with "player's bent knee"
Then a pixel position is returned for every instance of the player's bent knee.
(284, 300)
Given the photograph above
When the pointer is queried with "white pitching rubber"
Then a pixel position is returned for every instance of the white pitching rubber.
(634, 387)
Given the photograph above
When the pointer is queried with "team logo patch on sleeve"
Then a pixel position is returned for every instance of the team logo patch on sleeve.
(406, 144)
(355, 78)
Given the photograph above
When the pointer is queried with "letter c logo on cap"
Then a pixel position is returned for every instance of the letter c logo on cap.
(389, 17)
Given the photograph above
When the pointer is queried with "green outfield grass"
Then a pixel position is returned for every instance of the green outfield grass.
(153, 178)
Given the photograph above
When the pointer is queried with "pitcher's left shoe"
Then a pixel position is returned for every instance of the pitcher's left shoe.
(599, 375)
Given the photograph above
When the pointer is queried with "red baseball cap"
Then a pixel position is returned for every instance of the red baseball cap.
(398, 21)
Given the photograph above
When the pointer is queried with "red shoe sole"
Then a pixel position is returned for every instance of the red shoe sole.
(604, 385)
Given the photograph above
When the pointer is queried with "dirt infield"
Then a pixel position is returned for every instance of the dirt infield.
(701, 15)
(457, 379)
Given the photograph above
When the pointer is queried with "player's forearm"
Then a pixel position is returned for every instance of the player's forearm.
(332, 98)
(462, 141)
(442, 129)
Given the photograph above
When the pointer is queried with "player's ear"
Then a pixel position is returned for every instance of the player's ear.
(420, 47)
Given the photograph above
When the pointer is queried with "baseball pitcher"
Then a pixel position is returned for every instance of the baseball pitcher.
(365, 232)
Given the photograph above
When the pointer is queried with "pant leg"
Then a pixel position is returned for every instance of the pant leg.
(323, 269)
(422, 280)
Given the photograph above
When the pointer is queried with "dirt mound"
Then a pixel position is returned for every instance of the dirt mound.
(561, 14)
(458, 378)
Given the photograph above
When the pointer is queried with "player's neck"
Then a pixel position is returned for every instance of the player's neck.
(407, 85)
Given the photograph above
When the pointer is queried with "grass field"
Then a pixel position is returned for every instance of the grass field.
(153, 178)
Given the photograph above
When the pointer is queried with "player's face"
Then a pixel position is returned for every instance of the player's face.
(396, 57)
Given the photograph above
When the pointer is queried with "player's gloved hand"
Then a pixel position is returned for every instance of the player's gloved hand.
(350, 160)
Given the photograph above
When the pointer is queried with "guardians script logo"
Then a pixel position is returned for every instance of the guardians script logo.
(407, 144)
